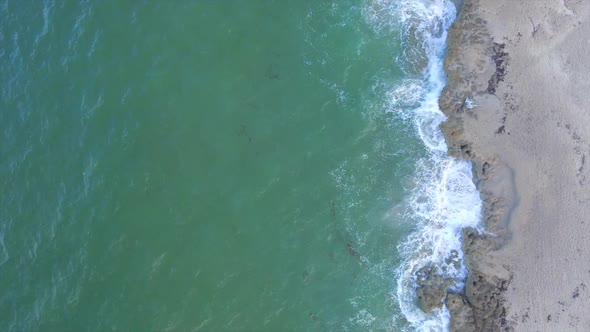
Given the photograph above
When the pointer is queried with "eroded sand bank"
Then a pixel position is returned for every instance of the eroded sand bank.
(517, 98)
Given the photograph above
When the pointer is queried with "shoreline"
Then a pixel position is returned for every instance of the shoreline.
(525, 141)
(481, 305)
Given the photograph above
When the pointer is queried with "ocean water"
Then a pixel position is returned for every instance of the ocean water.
(225, 166)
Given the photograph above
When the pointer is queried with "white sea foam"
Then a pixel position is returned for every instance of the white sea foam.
(443, 199)
(46, 12)
(470, 103)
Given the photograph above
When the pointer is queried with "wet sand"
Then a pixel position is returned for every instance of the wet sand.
(517, 98)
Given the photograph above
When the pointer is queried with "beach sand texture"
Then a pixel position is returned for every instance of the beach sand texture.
(517, 99)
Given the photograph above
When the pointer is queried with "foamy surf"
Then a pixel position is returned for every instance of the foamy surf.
(444, 199)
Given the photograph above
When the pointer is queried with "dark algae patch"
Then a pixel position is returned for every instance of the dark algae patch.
(500, 58)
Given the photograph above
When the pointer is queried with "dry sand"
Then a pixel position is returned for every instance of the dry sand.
(525, 65)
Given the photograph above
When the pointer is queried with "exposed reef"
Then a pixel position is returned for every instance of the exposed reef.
(475, 65)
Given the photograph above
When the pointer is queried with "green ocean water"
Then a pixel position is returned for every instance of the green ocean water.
(199, 166)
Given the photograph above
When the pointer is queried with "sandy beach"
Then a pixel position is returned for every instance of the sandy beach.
(517, 101)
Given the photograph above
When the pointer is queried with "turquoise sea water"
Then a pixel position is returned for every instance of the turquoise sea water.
(208, 166)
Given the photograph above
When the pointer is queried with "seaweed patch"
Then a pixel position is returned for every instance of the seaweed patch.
(500, 58)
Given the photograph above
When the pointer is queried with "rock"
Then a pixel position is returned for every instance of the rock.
(458, 4)
(485, 285)
(432, 288)
(472, 58)
(462, 319)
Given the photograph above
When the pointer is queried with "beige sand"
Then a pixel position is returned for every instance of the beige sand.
(526, 66)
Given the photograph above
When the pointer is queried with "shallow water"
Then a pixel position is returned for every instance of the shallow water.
(187, 166)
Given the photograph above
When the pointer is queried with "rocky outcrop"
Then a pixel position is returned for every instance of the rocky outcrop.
(485, 285)
(462, 317)
(432, 288)
(475, 65)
